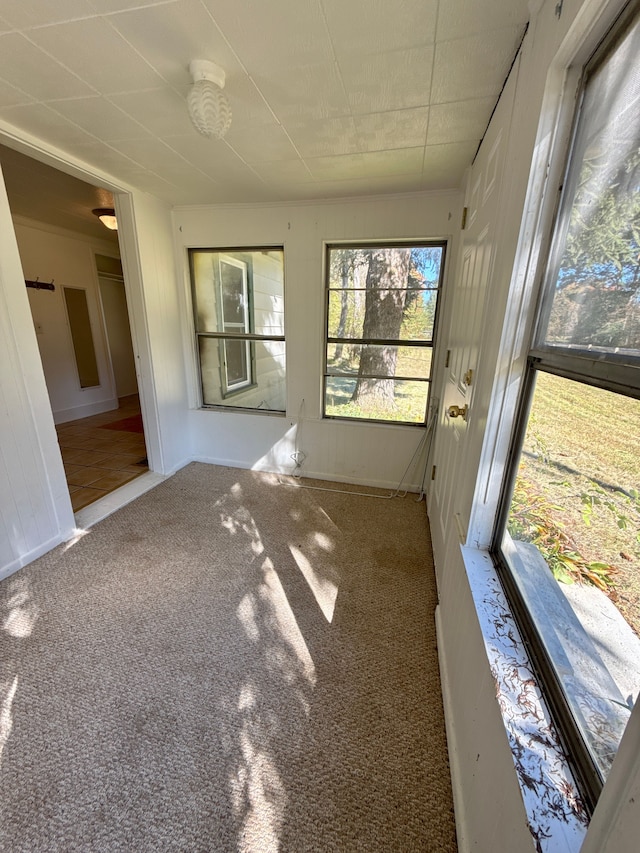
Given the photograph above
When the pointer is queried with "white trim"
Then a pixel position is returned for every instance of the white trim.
(287, 471)
(426, 194)
(42, 549)
(457, 782)
(24, 142)
(100, 509)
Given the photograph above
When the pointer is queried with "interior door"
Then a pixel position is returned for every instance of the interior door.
(470, 319)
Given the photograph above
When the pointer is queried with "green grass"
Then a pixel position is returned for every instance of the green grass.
(581, 467)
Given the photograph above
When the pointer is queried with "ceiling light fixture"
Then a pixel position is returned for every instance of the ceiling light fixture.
(107, 216)
(209, 108)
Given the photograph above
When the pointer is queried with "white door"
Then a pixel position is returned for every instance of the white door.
(470, 315)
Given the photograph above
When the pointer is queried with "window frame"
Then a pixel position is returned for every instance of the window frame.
(249, 337)
(230, 388)
(401, 342)
(596, 367)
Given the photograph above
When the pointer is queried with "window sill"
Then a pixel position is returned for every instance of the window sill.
(557, 818)
(234, 410)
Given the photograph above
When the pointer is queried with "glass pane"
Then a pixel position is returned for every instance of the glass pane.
(237, 357)
(234, 295)
(256, 304)
(412, 362)
(596, 302)
(376, 399)
(361, 266)
(573, 545)
(398, 314)
(268, 383)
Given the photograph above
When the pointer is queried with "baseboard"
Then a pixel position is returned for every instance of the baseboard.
(62, 416)
(21, 561)
(456, 775)
(312, 475)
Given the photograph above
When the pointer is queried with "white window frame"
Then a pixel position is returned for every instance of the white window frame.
(235, 328)
(529, 286)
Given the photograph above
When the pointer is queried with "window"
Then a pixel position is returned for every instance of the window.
(381, 319)
(234, 307)
(238, 299)
(567, 544)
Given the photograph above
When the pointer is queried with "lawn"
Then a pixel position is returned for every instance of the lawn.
(581, 469)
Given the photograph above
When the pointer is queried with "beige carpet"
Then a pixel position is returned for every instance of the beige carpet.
(227, 664)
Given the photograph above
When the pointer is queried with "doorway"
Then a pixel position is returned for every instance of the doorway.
(81, 325)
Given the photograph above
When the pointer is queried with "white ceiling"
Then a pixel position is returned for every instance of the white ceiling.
(329, 97)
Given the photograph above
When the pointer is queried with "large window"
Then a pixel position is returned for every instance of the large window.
(381, 320)
(238, 299)
(568, 542)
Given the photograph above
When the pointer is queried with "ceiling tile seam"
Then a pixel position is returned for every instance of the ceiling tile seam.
(88, 17)
(57, 62)
(32, 27)
(433, 68)
(515, 28)
(121, 35)
(337, 65)
(257, 88)
(106, 99)
(364, 154)
(31, 100)
(181, 156)
(47, 105)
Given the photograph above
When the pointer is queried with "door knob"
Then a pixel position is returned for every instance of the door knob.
(458, 411)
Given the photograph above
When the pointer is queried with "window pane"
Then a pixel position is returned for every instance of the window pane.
(349, 266)
(239, 291)
(268, 386)
(398, 314)
(596, 302)
(234, 294)
(411, 362)
(237, 358)
(376, 399)
(573, 546)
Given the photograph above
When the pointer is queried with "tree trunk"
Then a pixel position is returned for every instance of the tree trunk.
(344, 305)
(386, 295)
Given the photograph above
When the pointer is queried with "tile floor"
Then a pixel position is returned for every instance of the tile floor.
(99, 460)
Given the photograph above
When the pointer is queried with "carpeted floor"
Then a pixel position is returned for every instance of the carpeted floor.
(227, 664)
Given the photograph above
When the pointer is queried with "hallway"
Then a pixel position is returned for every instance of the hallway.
(103, 452)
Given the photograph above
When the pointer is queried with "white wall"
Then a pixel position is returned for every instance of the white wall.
(489, 804)
(156, 307)
(35, 509)
(69, 259)
(116, 318)
(374, 454)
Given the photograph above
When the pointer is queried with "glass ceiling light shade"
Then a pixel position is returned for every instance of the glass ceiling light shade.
(107, 216)
(209, 108)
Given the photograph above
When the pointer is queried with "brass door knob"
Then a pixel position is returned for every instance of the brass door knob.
(458, 411)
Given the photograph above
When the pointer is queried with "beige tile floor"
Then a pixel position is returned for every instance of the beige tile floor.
(98, 460)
